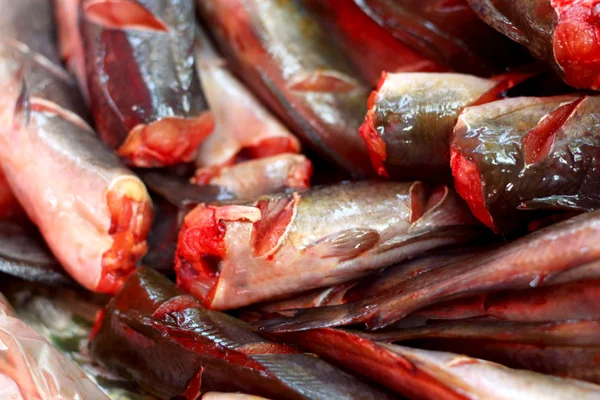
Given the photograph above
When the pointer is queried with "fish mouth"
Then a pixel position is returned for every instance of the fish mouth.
(131, 217)
(165, 142)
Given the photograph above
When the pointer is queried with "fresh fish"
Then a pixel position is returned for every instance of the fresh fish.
(24, 254)
(235, 255)
(93, 213)
(562, 333)
(70, 41)
(517, 155)
(562, 253)
(290, 62)
(563, 33)
(552, 303)
(372, 48)
(422, 374)
(408, 126)
(171, 346)
(30, 368)
(447, 32)
(179, 192)
(244, 129)
(145, 95)
(254, 178)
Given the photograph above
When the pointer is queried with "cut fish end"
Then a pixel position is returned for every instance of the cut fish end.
(169, 141)
(467, 181)
(577, 42)
(131, 214)
(375, 145)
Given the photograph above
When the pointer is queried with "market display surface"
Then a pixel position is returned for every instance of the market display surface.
(299, 199)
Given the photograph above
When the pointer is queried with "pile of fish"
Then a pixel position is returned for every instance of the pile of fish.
(299, 199)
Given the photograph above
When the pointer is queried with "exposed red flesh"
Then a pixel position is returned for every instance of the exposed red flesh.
(577, 41)
(167, 141)
(275, 218)
(375, 144)
(538, 142)
(122, 14)
(467, 182)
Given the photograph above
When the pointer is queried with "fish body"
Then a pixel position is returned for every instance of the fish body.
(145, 96)
(290, 62)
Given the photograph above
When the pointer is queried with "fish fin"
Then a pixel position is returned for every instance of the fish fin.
(563, 203)
(324, 81)
(268, 233)
(538, 142)
(487, 11)
(346, 244)
(123, 14)
(318, 317)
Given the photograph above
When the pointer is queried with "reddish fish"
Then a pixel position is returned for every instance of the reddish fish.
(408, 126)
(290, 61)
(254, 178)
(145, 95)
(516, 156)
(70, 40)
(563, 33)
(566, 252)
(235, 255)
(422, 374)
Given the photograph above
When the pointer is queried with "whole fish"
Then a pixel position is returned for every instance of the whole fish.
(577, 362)
(422, 374)
(93, 213)
(254, 178)
(30, 368)
(145, 95)
(235, 255)
(409, 124)
(171, 346)
(244, 128)
(562, 253)
(447, 32)
(514, 156)
(563, 333)
(291, 63)
(372, 48)
(563, 33)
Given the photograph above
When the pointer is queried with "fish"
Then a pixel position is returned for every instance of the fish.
(562, 33)
(423, 374)
(515, 157)
(579, 333)
(230, 396)
(290, 62)
(30, 368)
(93, 213)
(372, 48)
(562, 253)
(448, 33)
(236, 255)
(9, 204)
(409, 124)
(24, 254)
(254, 178)
(244, 129)
(70, 41)
(170, 346)
(145, 95)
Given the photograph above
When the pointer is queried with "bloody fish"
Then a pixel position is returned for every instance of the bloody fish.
(423, 374)
(371, 47)
(562, 253)
(254, 178)
(516, 156)
(245, 129)
(563, 33)
(93, 213)
(145, 95)
(446, 32)
(170, 346)
(235, 255)
(291, 63)
(408, 126)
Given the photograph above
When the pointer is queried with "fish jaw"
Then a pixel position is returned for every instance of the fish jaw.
(251, 179)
